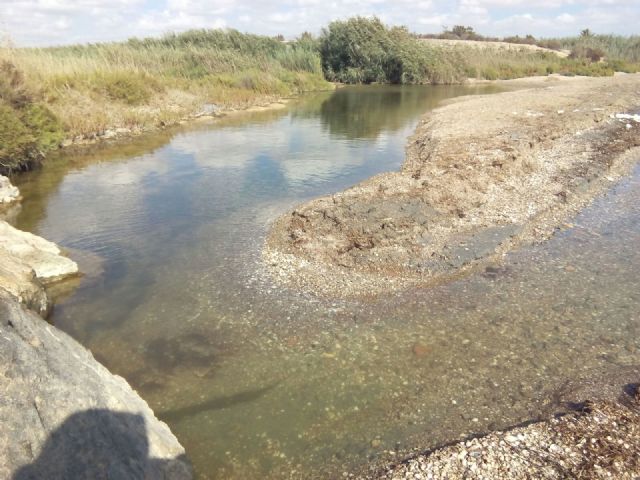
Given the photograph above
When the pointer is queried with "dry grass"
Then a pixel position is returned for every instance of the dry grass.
(145, 83)
(518, 61)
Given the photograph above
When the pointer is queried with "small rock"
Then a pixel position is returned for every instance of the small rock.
(8, 193)
(511, 439)
(420, 350)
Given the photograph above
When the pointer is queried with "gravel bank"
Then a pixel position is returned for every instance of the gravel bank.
(482, 175)
(602, 441)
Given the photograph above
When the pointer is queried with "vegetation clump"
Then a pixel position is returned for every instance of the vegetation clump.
(143, 83)
(27, 128)
(619, 52)
(363, 50)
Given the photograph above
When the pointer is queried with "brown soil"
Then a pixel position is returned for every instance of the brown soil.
(482, 175)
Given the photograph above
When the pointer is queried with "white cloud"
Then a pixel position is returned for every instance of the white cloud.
(41, 22)
(281, 17)
(435, 20)
(169, 21)
(566, 18)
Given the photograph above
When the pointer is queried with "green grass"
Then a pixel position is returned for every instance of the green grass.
(27, 128)
(364, 50)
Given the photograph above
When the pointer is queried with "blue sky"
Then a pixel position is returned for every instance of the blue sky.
(50, 22)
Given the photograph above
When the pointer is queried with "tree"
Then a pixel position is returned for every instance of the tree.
(463, 32)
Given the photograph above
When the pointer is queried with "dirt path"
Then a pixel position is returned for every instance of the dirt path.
(482, 175)
(491, 45)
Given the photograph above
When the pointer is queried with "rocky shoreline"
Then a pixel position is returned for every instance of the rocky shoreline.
(482, 175)
(62, 414)
(601, 441)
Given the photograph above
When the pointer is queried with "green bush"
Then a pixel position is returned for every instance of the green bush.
(17, 143)
(27, 128)
(12, 89)
(127, 87)
(45, 126)
(490, 74)
(592, 54)
(364, 50)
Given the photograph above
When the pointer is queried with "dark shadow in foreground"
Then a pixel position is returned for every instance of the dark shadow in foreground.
(102, 445)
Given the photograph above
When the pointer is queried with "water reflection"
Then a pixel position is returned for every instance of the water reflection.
(263, 383)
(350, 116)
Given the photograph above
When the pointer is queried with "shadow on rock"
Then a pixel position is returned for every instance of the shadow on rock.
(101, 444)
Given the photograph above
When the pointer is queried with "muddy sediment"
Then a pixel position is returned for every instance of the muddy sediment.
(482, 175)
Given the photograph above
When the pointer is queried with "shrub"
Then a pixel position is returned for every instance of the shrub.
(592, 54)
(45, 126)
(12, 89)
(17, 144)
(490, 73)
(363, 50)
(126, 87)
(550, 44)
(27, 128)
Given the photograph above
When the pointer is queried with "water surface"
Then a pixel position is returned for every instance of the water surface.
(258, 382)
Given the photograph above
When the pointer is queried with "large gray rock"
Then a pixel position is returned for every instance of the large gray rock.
(19, 279)
(42, 256)
(65, 416)
(28, 263)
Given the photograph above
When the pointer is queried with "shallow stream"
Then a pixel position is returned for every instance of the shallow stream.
(257, 382)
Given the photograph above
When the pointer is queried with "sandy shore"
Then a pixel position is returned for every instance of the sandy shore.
(482, 175)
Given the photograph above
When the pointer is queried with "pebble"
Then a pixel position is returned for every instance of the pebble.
(420, 350)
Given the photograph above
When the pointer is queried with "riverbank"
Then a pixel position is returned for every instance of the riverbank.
(62, 414)
(482, 176)
(600, 441)
(80, 93)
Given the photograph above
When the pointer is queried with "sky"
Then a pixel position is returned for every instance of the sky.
(55, 22)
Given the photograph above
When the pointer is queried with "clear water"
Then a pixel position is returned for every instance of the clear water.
(258, 382)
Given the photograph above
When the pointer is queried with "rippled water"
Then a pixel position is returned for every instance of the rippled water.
(257, 382)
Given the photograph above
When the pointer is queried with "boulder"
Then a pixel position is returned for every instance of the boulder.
(42, 256)
(8, 193)
(27, 264)
(19, 279)
(65, 416)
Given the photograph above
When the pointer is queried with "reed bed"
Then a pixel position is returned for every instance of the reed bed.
(80, 91)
